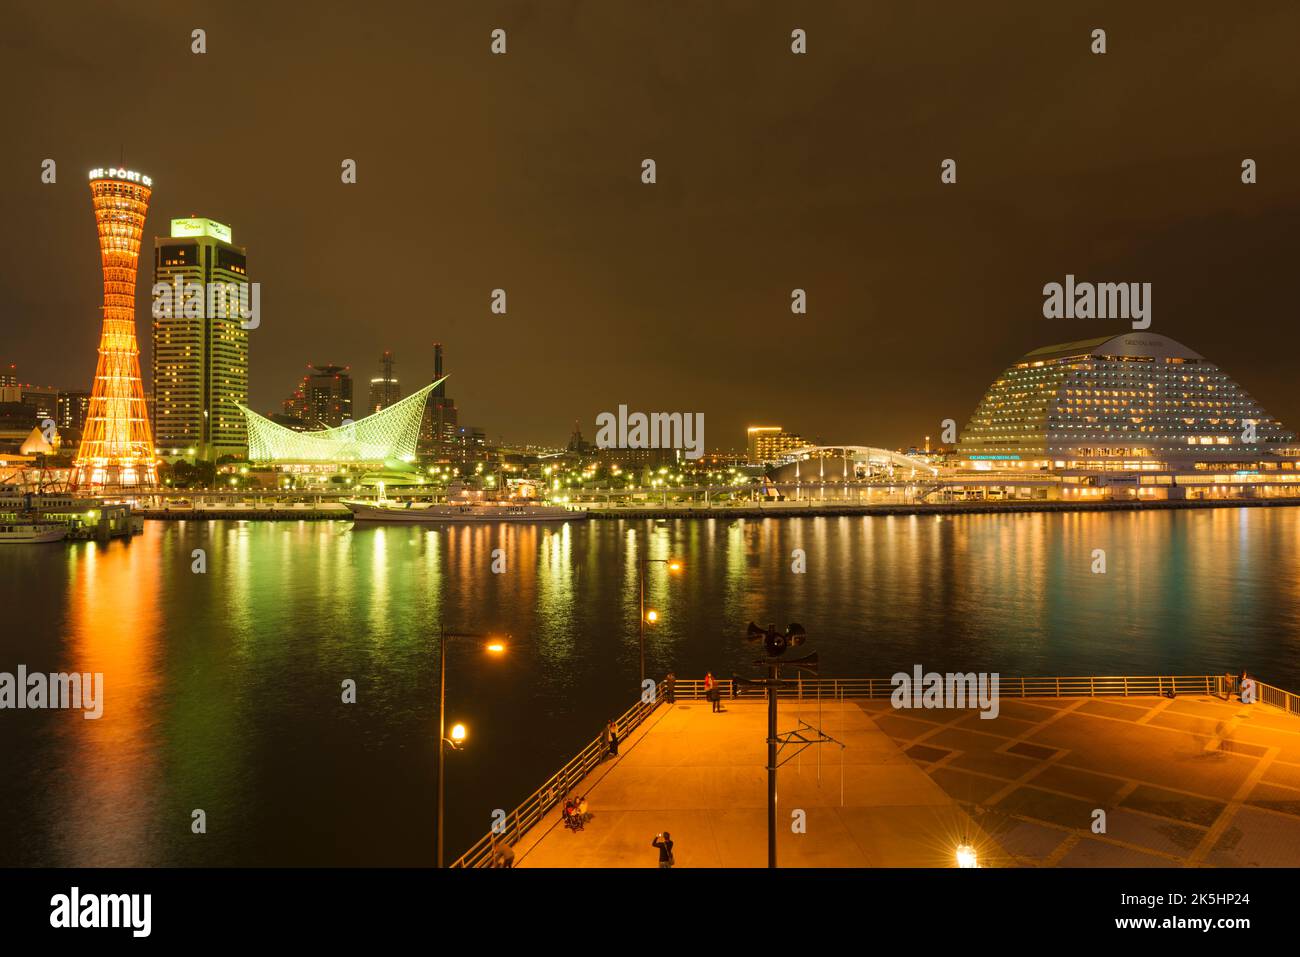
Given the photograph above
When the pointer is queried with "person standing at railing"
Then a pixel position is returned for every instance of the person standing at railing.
(670, 688)
(711, 690)
(1247, 689)
(611, 739)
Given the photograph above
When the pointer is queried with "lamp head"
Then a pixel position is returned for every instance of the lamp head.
(777, 643)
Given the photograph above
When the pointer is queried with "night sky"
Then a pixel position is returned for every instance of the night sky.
(775, 171)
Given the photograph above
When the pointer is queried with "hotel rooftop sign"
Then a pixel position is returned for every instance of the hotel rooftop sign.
(200, 227)
(129, 175)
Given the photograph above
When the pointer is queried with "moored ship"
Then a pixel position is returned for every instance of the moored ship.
(28, 533)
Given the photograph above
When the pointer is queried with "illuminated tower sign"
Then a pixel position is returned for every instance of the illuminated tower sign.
(117, 450)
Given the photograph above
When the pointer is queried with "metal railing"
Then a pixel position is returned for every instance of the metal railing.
(1064, 687)
(1270, 695)
(517, 823)
(556, 789)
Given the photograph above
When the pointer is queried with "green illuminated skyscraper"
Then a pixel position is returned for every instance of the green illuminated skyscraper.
(200, 353)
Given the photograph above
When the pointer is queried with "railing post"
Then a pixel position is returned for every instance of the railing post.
(1126, 686)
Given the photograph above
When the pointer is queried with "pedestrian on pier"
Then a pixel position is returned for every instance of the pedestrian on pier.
(670, 688)
(1247, 689)
(611, 739)
(503, 856)
(664, 842)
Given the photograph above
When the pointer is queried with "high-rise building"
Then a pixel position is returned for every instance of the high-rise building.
(200, 345)
(71, 419)
(117, 449)
(767, 443)
(323, 398)
(384, 389)
(439, 434)
(8, 375)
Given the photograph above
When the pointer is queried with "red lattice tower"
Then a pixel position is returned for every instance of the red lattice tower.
(117, 450)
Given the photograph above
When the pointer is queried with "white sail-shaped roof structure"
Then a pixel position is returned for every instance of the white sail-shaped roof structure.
(388, 435)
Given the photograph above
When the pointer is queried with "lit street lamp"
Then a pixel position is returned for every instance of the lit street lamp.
(456, 739)
(652, 616)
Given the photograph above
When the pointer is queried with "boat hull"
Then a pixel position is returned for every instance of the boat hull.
(10, 535)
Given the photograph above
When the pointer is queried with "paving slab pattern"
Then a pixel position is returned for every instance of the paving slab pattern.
(1193, 781)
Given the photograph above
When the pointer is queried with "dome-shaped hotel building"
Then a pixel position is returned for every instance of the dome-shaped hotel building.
(1136, 402)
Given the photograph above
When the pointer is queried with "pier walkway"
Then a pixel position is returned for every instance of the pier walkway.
(1078, 780)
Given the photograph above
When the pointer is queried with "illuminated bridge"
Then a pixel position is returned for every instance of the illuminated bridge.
(849, 463)
(390, 435)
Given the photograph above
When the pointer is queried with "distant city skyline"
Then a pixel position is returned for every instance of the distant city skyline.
(775, 173)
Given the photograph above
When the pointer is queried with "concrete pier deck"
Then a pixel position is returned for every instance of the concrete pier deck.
(1192, 781)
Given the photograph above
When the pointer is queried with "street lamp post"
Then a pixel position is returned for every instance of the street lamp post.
(673, 566)
(493, 646)
(775, 644)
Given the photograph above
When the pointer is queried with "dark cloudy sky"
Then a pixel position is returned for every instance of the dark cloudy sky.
(775, 171)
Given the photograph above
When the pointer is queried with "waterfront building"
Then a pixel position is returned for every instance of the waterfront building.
(200, 347)
(472, 443)
(16, 423)
(1131, 402)
(768, 443)
(632, 459)
(117, 447)
(388, 437)
(723, 458)
(43, 400)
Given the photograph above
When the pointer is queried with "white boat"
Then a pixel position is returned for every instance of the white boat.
(26, 533)
(427, 513)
